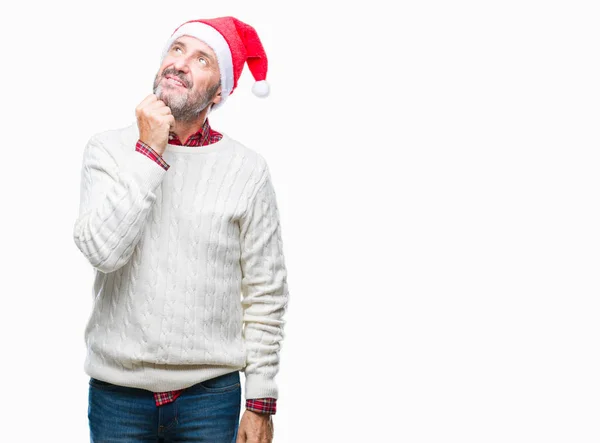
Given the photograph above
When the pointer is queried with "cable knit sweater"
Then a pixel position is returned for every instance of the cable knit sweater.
(190, 278)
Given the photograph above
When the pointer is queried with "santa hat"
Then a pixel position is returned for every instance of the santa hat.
(234, 43)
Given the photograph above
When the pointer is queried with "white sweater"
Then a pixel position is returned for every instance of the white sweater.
(190, 279)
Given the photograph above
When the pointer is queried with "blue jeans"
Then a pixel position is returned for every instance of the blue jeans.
(208, 411)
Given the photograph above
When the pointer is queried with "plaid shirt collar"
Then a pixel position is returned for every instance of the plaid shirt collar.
(199, 138)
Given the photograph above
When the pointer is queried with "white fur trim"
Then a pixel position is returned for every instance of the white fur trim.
(218, 44)
(261, 88)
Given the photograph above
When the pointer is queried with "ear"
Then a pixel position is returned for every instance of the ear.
(218, 97)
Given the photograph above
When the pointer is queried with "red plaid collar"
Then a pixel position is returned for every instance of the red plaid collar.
(204, 136)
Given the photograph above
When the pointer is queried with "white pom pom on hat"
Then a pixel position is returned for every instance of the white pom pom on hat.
(261, 88)
(235, 43)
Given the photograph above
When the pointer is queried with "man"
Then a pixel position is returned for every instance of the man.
(181, 225)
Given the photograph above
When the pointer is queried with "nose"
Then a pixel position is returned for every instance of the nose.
(181, 64)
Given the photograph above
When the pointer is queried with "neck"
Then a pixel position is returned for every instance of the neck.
(183, 129)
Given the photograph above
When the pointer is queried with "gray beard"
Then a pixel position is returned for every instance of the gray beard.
(185, 106)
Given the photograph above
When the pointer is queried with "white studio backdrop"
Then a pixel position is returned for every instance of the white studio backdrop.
(436, 169)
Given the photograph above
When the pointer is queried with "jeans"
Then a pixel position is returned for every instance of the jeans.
(208, 411)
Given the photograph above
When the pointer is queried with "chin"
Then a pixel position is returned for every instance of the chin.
(165, 95)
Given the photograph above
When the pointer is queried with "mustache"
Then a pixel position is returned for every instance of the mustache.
(175, 73)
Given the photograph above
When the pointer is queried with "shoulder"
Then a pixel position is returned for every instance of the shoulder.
(124, 136)
(115, 142)
(254, 162)
(255, 169)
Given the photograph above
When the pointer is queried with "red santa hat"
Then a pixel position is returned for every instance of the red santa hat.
(234, 43)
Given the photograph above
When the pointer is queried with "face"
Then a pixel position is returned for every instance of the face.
(188, 79)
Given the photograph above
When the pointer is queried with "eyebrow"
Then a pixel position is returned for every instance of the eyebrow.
(197, 51)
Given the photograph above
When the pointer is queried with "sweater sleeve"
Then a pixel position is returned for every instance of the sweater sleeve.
(264, 291)
(115, 201)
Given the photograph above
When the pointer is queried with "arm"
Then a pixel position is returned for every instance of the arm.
(115, 201)
(264, 291)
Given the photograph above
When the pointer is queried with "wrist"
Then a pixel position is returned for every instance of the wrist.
(146, 150)
(157, 149)
(263, 415)
(262, 405)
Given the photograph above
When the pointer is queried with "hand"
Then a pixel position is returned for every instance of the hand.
(154, 120)
(255, 428)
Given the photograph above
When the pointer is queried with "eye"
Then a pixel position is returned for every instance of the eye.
(176, 49)
(203, 61)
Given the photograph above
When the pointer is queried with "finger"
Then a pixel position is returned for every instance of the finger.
(156, 104)
(149, 99)
(165, 110)
(145, 103)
